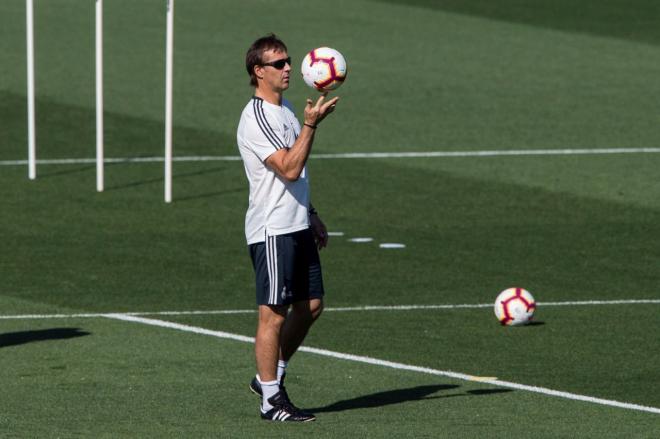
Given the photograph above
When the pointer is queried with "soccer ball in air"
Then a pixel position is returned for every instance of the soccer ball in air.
(324, 69)
(514, 306)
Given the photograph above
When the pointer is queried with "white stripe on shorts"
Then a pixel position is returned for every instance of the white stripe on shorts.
(271, 262)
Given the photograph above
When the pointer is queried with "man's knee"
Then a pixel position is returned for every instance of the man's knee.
(316, 308)
(272, 316)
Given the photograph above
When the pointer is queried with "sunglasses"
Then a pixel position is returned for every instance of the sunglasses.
(279, 64)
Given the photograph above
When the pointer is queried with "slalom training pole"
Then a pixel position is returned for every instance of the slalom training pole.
(99, 96)
(32, 149)
(168, 100)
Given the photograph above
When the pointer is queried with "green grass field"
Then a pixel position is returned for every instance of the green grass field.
(424, 76)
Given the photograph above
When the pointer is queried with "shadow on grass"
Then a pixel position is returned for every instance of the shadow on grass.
(69, 131)
(23, 337)
(81, 169)
(210, 194)
(399, 396)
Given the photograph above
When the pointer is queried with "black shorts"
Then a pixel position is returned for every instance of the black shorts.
(287, 268)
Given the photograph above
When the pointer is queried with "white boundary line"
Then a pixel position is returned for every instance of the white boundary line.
(355, 155)
(74, 161)
(329, 309)
(392, 365)
(490, 305)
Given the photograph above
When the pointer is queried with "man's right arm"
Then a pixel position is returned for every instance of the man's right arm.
(289, 162)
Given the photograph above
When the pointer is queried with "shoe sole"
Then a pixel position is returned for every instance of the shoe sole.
(273, 420)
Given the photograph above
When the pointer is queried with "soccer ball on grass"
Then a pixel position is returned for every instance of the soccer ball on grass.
(514, 306)
(324, 69)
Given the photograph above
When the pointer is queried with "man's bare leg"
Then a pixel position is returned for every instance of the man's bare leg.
(267, 349)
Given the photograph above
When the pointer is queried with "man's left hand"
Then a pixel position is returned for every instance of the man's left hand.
(319, 231)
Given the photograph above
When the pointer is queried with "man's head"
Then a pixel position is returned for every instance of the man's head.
(267, 60)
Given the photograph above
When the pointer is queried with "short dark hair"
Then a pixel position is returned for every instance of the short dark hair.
(254, 56)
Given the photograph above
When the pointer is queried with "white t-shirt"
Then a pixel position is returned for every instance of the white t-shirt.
(276, 206)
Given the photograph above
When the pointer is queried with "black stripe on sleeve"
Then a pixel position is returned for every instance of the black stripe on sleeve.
(264, 126)
(279, 139)
(258, 115)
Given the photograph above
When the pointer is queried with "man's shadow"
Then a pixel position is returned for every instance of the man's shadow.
(399, 396)
(22, 337)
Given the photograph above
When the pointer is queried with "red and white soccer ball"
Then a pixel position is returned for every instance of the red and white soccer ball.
(324, 69)
(514, 306)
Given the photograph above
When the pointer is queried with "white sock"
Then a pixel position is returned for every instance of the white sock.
(268, 389)
(281, 369)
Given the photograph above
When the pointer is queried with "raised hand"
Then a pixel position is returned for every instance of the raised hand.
(316, 112)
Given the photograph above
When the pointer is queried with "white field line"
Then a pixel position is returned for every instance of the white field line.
(392, 365)
(77, 161)
(490, 305)
(330, 309)
(354, 155)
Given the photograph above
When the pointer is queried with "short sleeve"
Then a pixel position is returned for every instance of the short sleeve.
(263, 135)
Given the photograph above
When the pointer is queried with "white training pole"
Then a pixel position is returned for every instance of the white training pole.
(168, 101)
(99, 95)
(32, 149)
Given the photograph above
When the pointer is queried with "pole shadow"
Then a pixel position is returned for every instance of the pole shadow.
(23, 337)
(78, 170)
(162, 179)
(210, 194)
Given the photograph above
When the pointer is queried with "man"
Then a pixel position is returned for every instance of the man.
(283, 231)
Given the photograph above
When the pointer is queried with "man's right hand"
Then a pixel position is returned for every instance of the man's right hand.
(316, 112)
